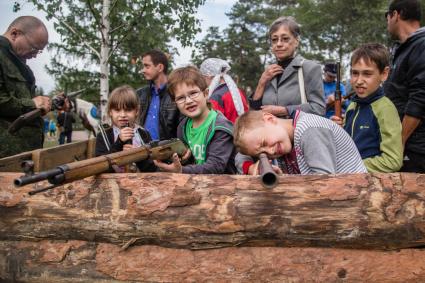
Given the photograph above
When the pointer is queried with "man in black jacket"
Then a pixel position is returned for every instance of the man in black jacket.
(158, 112)
(406, 84)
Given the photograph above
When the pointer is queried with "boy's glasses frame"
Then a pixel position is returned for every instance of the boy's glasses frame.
(182, 99)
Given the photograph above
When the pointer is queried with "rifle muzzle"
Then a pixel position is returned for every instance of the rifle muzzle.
(268, 176)
(54, 176)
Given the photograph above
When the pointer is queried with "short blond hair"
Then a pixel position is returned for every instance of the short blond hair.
(247, 121)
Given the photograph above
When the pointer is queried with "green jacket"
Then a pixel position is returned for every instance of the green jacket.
(374, 125)
(17, 88)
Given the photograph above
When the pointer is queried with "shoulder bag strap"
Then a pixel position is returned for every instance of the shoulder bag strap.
(301, 83)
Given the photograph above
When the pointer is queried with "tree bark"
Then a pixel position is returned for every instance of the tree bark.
(377, 211)
(104, 58)
(79, 261)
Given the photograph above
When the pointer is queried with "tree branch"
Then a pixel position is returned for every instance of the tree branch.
(79, 36)
(112, 7)
(117, 28)
(95, 17)
(126, 33)
(64, 23)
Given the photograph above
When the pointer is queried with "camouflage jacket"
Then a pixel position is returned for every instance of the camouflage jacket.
(17, 88)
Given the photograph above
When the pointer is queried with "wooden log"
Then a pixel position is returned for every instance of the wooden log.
(79, 261)
(379, 211)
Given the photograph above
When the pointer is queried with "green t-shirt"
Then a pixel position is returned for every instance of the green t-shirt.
(197, 137)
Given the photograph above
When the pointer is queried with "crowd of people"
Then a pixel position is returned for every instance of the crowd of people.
(288, 116)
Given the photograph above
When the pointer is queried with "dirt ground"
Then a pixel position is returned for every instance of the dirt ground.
(76, 136)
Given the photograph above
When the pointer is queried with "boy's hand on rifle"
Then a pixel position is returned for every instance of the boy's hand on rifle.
(337, 120)
(126, 134)
(174, 167)
(186, 155)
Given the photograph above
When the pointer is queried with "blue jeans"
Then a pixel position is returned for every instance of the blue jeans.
(62, 136)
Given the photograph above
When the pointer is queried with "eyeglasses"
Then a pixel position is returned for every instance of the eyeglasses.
(192, 96)
(284, 39)
(34, 49)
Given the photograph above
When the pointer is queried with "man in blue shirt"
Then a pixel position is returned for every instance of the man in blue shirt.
(329, 85)
(158, 112)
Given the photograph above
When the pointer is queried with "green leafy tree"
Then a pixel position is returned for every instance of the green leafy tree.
(330, 30)
(333, 29)
(244, 44)
(99, 38)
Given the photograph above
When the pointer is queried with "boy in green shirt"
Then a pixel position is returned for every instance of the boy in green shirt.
(371, 118)
(207, 132)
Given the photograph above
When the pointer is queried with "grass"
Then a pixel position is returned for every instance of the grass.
(50, 141)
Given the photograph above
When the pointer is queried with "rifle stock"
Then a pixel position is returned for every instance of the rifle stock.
(268, 176)
(23, 119)
(81, 169)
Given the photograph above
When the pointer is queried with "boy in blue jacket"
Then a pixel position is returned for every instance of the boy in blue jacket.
(371, 118)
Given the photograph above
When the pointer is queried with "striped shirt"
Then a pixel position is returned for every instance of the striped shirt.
(323, 147)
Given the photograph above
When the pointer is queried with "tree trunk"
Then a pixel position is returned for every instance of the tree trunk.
(377, 211)
(104, 57)
(78, 261)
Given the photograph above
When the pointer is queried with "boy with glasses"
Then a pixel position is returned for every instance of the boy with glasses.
(207, 132)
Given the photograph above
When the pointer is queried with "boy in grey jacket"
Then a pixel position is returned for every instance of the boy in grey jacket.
(207, 132)
(307, 144)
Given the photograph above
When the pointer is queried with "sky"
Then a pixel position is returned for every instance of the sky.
(210, 14)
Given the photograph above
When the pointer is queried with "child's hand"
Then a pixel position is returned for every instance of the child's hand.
(127, 146)
(277, 170)
(337, 120)
(175, 167)
(186, 155)
(126, 134)
(254, 169)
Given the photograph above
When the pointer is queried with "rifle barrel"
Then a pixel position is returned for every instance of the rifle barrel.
(338, 106)
(81, 169)
(46, 175)
(268, 176)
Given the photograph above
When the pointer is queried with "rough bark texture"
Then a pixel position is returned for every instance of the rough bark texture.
(383, 211)
(78, 261)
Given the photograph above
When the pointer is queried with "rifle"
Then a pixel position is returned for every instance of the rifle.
(268, 176)
(77, 170)
(338, 100)
(57, 104)
(332, 104)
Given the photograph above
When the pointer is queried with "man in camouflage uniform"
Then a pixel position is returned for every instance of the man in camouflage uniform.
(24, 39)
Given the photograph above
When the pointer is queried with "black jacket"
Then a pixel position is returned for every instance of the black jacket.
(406, 85)
(65, 120)
(168, 112)
(101, 149)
